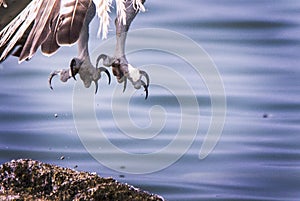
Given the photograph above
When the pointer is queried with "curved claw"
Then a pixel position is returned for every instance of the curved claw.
(96, 84)
(125, 84)
(146, 88)
(74, 71)
(143, 73)
(52, 74)
(102, 69)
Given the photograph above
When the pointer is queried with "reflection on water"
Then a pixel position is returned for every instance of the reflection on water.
(255, 46)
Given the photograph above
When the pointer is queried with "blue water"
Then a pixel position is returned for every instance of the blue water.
(255, 46)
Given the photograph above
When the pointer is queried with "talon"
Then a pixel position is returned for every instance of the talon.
(123, 71)
(143, 73)
(102, 69)
(146, 88)
(74, 71)
(96, 84)
(125, 84)
(52, 74)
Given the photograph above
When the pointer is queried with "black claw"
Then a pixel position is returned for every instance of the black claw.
(143, 73)
(146, 88)
(145, 85)
(52, 74)
(102, 69)
(125, 83)
(96, 83)
(108, 75)
(74, 71)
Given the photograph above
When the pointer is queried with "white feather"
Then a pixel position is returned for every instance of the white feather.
(138, 5)
(121, 11)
(103, 10)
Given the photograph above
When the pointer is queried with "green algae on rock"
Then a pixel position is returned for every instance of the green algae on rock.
(26, 179)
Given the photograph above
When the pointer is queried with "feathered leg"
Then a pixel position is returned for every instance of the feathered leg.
(120, 66)
(82, 64)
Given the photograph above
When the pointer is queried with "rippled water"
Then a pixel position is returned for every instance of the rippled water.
(255, 46)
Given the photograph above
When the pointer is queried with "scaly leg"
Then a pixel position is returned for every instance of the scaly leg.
(120, 66)
(82, 64)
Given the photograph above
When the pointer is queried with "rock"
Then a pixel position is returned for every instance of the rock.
(26, 179)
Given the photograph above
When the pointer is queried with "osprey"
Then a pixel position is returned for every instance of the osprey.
(29, 24)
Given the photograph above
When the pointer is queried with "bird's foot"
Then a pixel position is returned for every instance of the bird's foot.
(124, 71)
(88, 73)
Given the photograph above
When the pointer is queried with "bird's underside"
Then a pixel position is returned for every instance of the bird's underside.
(27, 25)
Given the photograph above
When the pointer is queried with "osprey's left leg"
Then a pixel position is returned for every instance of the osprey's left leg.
(82, 64)
(120, 66)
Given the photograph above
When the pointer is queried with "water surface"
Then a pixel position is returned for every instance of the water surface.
(255, 46)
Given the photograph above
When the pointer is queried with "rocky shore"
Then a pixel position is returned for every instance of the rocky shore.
(26, 179)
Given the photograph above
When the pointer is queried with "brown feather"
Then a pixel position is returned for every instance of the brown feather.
(38, 33)
(50, 46)
(16, 28)
(71, 20)
(18, 46)
(21, 42)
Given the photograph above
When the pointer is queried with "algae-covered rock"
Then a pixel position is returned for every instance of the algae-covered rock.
(26, 179)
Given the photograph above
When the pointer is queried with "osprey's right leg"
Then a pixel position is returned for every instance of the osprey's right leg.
(122, 70)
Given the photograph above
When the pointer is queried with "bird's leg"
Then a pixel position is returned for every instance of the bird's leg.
(122, 70)
(82, 64)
